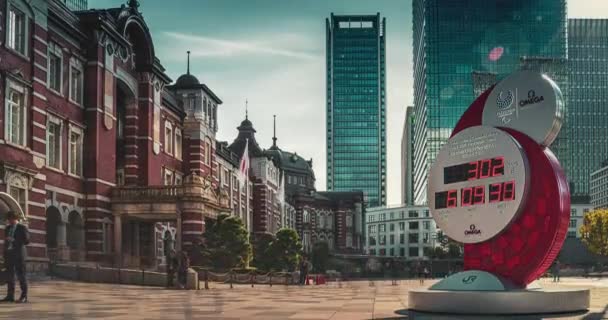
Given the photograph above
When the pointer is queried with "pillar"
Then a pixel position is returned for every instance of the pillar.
(118, 239)
(178, 232)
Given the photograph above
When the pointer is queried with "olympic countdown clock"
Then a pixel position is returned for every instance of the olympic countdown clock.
(478, 183)
(496, 186)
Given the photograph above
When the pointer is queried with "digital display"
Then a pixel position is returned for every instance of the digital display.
(475, 170)
(471, 196)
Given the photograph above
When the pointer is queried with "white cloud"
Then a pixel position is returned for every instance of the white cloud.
(281, 45)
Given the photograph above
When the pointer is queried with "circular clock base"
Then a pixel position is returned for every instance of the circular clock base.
(510, 302)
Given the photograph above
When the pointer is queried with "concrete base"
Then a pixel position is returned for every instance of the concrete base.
(478, 292)
(499, 302)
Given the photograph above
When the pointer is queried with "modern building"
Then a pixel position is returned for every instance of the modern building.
(577, 216)
(404, 231)
(453, 40)
(101, 152)
(77, 5)
(587, 115)
(599, 187)
(482, 81)
(407, 157)
(356, 105)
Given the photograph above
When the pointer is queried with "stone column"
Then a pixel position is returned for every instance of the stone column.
(118, 239)
(178, 232)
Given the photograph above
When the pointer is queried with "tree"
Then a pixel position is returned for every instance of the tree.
(320, 256)
(226, 243)
(285, 250)
(262, 257)
(595, 231)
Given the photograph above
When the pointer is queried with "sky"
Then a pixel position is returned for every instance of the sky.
(272, 54)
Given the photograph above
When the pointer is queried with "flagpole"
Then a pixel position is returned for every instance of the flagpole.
(247, 188)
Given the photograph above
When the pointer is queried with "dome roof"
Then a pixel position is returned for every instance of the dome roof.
(289, 161)
(187, 80)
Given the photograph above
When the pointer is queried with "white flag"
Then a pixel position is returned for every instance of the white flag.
(281, 191)
(244, 166)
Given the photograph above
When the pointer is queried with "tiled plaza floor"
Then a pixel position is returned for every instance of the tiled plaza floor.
(347, 301)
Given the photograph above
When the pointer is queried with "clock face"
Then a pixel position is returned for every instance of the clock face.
(478, 184)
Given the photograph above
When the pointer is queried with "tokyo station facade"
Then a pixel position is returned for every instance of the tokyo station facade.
(104, 155)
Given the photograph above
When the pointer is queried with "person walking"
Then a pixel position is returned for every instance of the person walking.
(183, 264)
(15, 254)
(171, 262)
(420, 272)
(556, 270)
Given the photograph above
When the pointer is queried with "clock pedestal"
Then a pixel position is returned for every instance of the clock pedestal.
(478, 292)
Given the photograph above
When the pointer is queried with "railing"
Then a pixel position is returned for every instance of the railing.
(254, 277)
(146, 193)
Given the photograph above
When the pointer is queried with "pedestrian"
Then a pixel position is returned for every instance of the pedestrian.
(183, 264)
(303, 270)
(171, 265)
(420, 272)
(196, 253)
(15, 254)
(426, 273)
(556, 270)
(394, 272)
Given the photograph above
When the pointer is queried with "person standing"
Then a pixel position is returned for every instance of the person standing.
(183, 264)
(556, 270)
(303, 271)
(15, 254)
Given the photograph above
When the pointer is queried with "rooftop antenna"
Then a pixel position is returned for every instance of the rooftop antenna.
(188, 68)
(274, 132)
(246, 111)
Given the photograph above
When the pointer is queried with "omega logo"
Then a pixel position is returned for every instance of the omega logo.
(472, 231)
(532, 99)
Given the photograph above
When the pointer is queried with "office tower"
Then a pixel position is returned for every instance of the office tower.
(407, 157)
(451, 40)
(356, 105)
(587, 112)
(482, 81)
(76, 5)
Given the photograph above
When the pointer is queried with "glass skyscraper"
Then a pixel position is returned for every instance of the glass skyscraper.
(76, 5)
(452, 40)
(587, 113)
(356, 105)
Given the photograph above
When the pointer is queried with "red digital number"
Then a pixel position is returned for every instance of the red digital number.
(466, 197)
(508, 192)
(486, 168)
(452, 198)
(473, 170)
(479, 195)
(495, 192)
(498, 166)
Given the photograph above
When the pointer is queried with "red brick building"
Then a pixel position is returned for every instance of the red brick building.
(100, 150)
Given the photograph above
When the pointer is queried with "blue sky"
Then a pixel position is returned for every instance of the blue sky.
(272, 52)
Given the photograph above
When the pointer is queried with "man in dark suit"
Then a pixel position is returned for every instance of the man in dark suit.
(17, 237)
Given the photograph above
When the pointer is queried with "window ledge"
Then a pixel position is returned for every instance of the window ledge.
(19, 54)
(75, 176)
(58, 170)
(53, 91)
(76, 103)
(18, 146)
